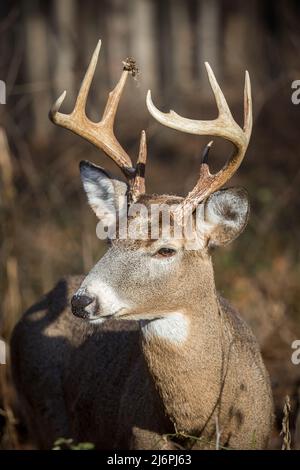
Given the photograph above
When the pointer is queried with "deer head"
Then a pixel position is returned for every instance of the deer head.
(141, 277)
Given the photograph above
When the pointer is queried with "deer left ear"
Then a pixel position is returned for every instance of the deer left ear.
(106, 195)
(226, 214)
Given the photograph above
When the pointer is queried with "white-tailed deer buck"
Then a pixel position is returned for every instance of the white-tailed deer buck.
(144, 347)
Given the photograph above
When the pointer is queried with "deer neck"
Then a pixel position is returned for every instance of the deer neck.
(183, 351)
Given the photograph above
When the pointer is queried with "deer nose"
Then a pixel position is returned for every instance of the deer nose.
(79, 303)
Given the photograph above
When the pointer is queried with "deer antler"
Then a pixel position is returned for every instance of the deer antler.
(223, 126)
(138, 186)
(101, 134)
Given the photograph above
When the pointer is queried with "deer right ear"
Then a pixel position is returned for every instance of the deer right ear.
(106, 195)
(226, 213)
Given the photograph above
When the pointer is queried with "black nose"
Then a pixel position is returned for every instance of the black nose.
(79, 304)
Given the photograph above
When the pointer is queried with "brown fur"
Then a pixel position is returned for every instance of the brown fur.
(64, 380)
(114, 386)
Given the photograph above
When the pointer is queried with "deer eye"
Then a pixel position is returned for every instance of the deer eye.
(165, 253)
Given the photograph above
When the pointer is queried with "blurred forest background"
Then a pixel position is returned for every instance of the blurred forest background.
(47, 229)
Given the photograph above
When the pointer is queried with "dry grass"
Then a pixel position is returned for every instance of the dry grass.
(285, 432)
(8, 432)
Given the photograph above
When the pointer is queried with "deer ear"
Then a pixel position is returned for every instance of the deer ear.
(226, 214)
(106, 195)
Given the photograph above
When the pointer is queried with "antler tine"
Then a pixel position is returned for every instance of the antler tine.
(112, 104)
(100, 134)
(79, 108)
(248, 118)
(205, 153)
(221, 102)
(80, 104)
(223, 126)
(138, 187)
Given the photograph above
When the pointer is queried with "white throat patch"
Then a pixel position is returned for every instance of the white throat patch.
(173, 327)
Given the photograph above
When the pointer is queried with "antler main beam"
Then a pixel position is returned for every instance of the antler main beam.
(101, 134)
(223, 126)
